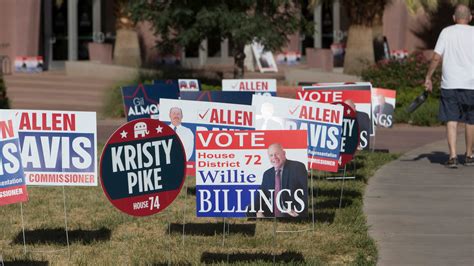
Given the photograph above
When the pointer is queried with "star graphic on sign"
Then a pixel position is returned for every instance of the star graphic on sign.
(349, 111)
(123, 134)
(159, 129)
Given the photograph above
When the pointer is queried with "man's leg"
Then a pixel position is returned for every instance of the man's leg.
(469, 139)
(451, 130)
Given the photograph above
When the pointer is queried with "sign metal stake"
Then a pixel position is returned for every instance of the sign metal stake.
(23, 227)
(342, 186)
(65, 223)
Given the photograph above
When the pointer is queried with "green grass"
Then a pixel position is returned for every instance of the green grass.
(340, 236)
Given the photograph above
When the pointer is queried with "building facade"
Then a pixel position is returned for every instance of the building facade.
(60, 30)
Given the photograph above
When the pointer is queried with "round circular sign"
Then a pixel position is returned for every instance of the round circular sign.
(350, 134)
(142, 167)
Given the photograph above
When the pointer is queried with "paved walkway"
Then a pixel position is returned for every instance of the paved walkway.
(420, 212)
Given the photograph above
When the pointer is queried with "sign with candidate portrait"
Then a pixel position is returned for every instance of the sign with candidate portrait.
(265, 60)
(58, 148)
(12, 179)
(142, 100)
(383, 103)
(180, 84)
(356, 95)
(142, 167)
(259, 86)
(187, 117)
(322, 121)
(251, 173)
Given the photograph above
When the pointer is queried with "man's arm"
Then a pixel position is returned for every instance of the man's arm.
(433, 65)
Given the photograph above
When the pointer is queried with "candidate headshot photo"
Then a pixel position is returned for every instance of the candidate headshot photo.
(382, 106)
(184, 133)
(289, 179)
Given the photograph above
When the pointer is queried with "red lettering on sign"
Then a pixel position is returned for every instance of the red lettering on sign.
(48, 122)
(6, 129)
(231, 117)
(253, 86)
(319, 114)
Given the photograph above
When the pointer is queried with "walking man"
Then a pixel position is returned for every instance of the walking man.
(455, 47)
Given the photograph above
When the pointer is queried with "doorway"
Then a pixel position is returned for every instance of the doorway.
(65, 21)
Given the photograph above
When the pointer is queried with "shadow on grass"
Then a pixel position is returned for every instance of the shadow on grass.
(174, 264)
(24, 263)
(211, 229)
(191, 191)
(285, 257)
(436, 157)
(320, 217)
(58, 236)
(333, 203)
(336, 193)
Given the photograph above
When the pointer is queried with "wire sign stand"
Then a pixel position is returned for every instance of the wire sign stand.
(66, 230)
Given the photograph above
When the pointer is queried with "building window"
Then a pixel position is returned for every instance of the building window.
(192, 49)
(214, 47)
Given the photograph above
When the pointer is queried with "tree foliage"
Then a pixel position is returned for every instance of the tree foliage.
(182, 22)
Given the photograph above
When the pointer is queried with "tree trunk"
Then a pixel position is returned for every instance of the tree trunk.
(239, 57)
(127, 48)
(359, 50)
(378, 38)
(377, 28)
(4, 103)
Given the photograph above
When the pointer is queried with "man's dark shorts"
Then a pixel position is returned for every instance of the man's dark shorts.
(457, 105)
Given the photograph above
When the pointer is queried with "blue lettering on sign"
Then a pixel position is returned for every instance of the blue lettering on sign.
(225, 201)
(10, 166)
(324, 140)
(57, 152)
(141, 101)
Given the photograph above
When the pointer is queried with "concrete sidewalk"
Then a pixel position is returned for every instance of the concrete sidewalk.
(421, 213)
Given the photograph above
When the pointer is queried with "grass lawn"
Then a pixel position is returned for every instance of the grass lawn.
(101, 235)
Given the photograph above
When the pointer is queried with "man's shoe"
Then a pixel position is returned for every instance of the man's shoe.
(452, 163)
(469, 160)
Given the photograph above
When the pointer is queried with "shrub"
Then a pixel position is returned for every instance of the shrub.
(398, 74)
(407, 77)
(425, 115)
(113, 102)
(4, 102)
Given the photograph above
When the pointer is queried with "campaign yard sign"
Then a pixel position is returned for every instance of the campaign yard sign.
(180, 84)
(357, 95)
(142, 100)
(12, 179)
(322, 121)
(383, 103)
(350, 134)
(187, 117)
(237, 97)
(142, 167)
(236, 173)
(58, 148)
(259, 86)
(29, 64)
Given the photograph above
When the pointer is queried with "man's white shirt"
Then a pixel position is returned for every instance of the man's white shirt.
(187, 138)
(456, 46)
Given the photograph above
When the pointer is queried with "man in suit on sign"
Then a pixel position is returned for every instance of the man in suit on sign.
(289, 180)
